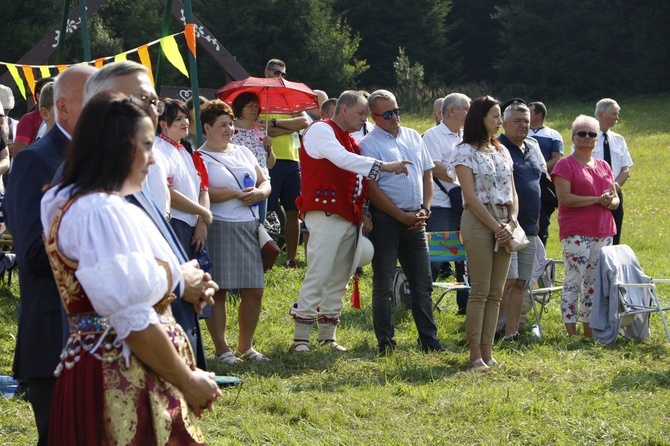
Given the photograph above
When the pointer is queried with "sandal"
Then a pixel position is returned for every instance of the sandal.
(228, 358)
(253, 355)
(492, 362)
(299, 347)
(333, 345)
(479, 365)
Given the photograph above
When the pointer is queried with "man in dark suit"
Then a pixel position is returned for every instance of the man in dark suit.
(132, 79)
(40, 330)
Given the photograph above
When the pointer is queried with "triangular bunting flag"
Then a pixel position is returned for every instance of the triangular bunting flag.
(189, 33)
(120, 57)
(44, 71)
(61, 68)
(143, 52)
(30, 78)
(171, 51)
(17, 78)
(99, 62)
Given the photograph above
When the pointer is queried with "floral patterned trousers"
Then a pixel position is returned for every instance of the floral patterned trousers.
(581, 255)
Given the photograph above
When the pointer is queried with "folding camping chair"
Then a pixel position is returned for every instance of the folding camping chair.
(624, 297)
(447, 247)
(543, 284)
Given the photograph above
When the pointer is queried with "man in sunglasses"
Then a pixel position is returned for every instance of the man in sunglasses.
(612, 148)
(285, 175)
(400, 208)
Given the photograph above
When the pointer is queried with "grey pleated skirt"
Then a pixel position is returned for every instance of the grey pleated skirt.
(235, 254)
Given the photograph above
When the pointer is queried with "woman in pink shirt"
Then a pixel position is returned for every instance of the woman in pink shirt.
(586, 193)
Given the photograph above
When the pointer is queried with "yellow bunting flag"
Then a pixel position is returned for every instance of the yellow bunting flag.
(61, 68)
(17, 78)
(143, 52)
(44, 71)
(189, 33)
(120, 57)
(30, 78)
(171, 51)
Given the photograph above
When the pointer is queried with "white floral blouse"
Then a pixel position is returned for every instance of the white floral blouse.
(492, 172)
(252, 139)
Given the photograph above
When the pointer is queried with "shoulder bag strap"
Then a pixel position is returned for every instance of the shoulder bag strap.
(231, 172)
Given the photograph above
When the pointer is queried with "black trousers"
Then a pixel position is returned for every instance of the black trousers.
(41, 393)
(618, 218)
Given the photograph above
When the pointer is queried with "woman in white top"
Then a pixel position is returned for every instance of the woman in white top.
(233, 237)
(249, 134)
(187, 184)
(484, 170)
(126, 359)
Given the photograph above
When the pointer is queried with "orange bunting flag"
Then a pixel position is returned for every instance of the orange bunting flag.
(99, 62)
(30, 78)
(189, 33)
(17, 78)
(61, 68)
(143, 52)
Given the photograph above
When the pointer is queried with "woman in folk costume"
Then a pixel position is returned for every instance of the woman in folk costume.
(127, 374)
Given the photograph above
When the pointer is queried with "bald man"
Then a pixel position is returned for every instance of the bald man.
(437, 111)
(40, 335)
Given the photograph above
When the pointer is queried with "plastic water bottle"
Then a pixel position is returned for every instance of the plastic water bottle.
(249, 182)
(535, 332)
(203, 260)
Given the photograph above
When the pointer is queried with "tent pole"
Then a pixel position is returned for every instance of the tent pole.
(161, 56)
(84, 30)
(193, 73)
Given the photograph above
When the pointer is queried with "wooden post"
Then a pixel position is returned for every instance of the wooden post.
(84, 31)
(63, 30)
(193, 68)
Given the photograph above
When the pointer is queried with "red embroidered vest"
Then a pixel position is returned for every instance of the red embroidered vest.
(326, 187)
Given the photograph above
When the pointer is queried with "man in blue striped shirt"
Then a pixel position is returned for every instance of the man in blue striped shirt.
(400, 208)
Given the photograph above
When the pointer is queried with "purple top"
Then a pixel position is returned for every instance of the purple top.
(591, 221)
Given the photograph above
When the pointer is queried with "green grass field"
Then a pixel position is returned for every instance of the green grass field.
(554, 391)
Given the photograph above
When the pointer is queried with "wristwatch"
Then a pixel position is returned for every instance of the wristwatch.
(423, 206)
(274, 122)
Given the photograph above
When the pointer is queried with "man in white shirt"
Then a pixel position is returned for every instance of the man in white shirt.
(332, 205)
(612, 148)
(441, 142)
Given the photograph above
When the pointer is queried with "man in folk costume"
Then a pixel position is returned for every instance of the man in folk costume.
(332, 205)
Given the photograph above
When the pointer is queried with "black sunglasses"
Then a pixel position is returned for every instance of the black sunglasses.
(583, 134)
(389, 114)
(279, 73)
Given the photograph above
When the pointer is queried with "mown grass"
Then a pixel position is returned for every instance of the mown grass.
(553, 391)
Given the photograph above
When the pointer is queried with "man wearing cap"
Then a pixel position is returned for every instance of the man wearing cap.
(285, 175)
(528, 165)
(612, 148)
(441, 142)
(551, 145)
(400, 208)
(332, 204)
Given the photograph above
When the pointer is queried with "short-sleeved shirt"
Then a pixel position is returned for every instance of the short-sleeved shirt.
(492, 173)
(240, 161)
(591, 221)
(618, 151)
(527, 165)
(441, 143)
(549, 139)
(285, 147)
(29, 125)
(405, 191)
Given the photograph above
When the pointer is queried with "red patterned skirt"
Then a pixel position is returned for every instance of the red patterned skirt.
(98, 400)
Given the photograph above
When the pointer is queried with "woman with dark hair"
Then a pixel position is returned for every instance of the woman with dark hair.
(127, 373)
(249, 134)
(484, 170)
(586, 191)
(237, 185)
(186, 179)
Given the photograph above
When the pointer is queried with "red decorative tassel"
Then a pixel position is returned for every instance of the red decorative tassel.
(356, 295)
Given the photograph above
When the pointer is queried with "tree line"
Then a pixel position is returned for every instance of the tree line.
(541, 48)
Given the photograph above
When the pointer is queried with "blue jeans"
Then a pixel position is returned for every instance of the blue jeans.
(446, 219)
(393, 241)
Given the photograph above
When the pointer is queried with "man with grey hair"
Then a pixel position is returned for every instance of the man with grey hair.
(197, 287)
(400, 208)
(447, 206)
(529, 166)
(612, 148)
(40, 329)
(332, 204)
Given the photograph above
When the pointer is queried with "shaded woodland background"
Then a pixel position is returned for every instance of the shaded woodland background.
(544, 49)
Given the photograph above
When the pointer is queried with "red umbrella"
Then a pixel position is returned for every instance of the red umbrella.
(276, 95)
